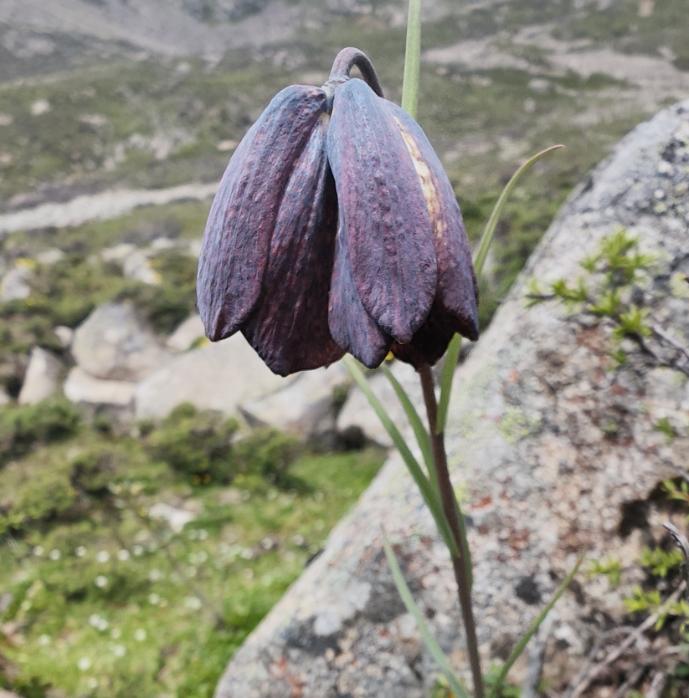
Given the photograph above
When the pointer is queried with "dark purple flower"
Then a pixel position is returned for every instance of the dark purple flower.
(335, 228)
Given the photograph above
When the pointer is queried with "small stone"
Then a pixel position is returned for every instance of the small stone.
(42, 379)
(40, 107)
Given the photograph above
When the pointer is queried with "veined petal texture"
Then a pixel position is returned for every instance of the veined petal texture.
(457, 293)
(350, 325)
(242, 219)
(289, 327)
(384, 218)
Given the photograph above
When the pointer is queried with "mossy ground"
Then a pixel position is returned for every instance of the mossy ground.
(101, 598)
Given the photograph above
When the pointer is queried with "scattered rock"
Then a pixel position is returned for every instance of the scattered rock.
(307, 406)
(40, 107)
(65, 335)
(544, 477)
(189, 332)
(175, 517)
(117, 253)
(114, 343)
(16, 284)
(50, 256)
(42, 379)
(137, 265)
(82, 388)
(219, 377)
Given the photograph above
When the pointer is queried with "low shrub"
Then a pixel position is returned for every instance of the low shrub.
(24, 427)
(196, 443)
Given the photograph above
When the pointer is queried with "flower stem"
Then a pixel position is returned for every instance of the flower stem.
(461, 564)
(349, 57)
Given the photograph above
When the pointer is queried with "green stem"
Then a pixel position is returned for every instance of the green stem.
(412, 59)
(461, 563)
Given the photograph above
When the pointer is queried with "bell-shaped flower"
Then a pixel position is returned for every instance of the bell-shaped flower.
(333, 234)
(266, 259)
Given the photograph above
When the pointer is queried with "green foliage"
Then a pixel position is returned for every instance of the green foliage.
(664, 426)
(613, 272)
(198, 444)
(268, 454)
(107, 598)
(33, 496)
(25, 427)
(167, 304)
(661, 562)
(609, 568)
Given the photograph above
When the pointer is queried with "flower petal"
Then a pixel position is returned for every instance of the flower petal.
(241, 221)
(384, 219)
(457, 289)
(289, 328)
(430, 342)
(351, 326)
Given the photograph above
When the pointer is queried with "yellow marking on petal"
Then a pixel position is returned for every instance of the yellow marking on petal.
(428, 188)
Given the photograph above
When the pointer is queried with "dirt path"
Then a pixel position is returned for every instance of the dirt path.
(108, 204)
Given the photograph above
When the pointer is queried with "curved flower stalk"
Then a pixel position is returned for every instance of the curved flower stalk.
(335, 229)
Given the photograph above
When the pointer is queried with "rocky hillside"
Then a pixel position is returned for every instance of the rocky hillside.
(116, 121)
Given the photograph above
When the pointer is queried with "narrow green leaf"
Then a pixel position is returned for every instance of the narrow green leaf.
(448, 372)
(412, 59)
(420, 432)
(427, 492)
(489, 232)
(426, 634)
(533, 629)
(452, 353)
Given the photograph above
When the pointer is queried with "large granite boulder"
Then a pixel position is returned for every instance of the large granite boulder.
(219, 377)
(554, 447)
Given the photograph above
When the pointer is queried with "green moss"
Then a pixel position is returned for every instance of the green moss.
(24, 427)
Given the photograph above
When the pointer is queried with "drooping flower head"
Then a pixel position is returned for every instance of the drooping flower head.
(335, 229)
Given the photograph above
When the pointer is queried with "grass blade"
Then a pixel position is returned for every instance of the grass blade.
(422, 437)
(449, 366)
(427, 492)
(533, 629)
(489, 232)
(412, 59)
(425, 632)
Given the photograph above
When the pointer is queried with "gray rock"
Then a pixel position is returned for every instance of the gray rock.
(358, 414)
(16, 284)
(118, 253)
(42, 378)
(306, 406)
(219, 377)
(82, 388)
(65, 335)
(190, 331)
(114, 343)
(50, 256)
(5, 399)
(137, 265)
(543, 476)
(175, 517)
